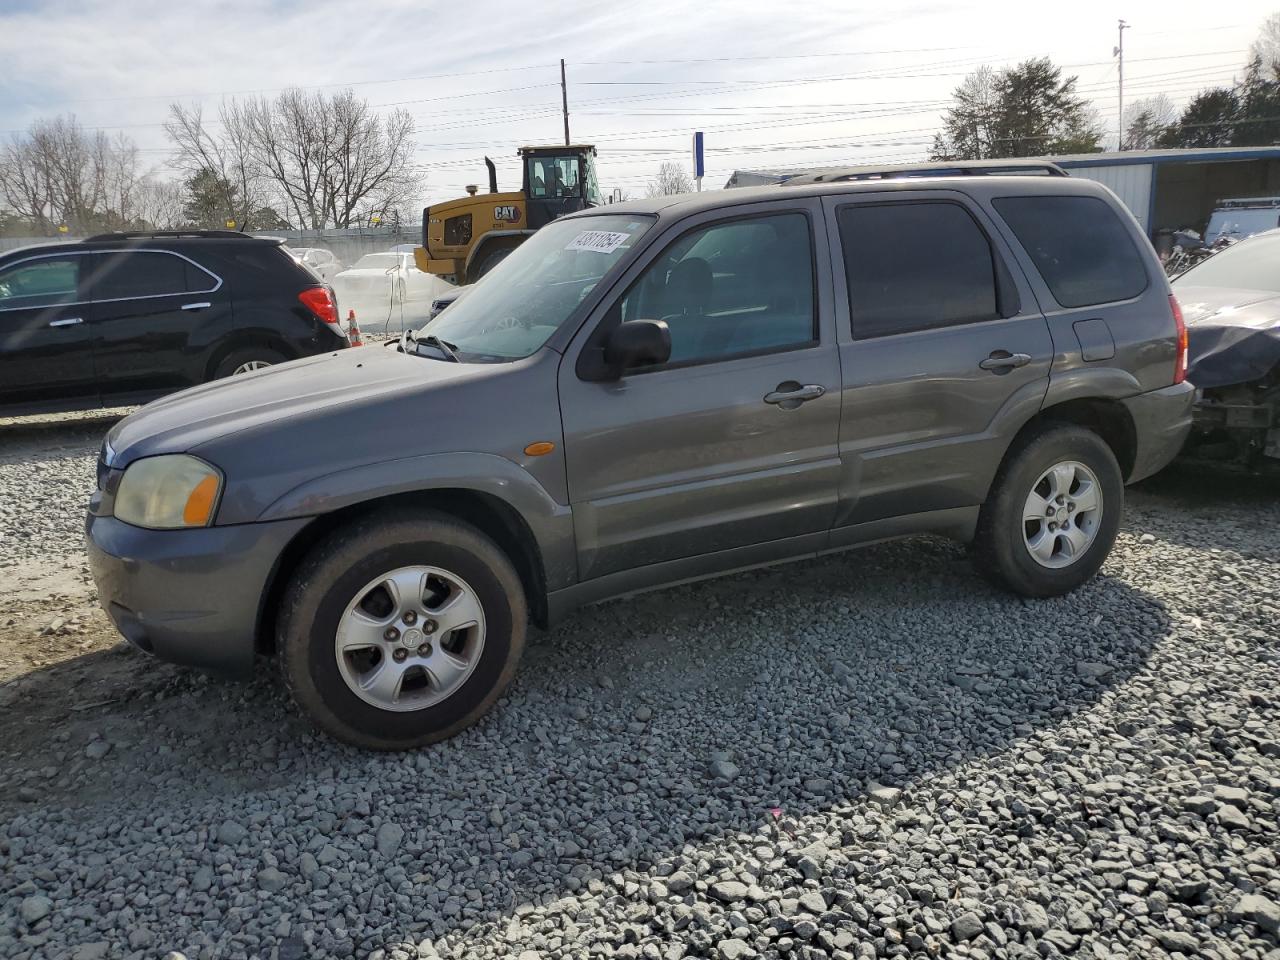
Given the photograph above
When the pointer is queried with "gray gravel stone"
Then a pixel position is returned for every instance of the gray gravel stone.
(1175, 940)
(272, 880)
(724, 770)
(728, 891)
(966, 926)
(231, 833)
(34, 909)
(734, 949)
(1261, 910)
(388, 839)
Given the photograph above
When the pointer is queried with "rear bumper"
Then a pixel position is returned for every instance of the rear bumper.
(1161, 421)
(188, 596)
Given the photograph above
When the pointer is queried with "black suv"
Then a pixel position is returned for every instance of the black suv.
(123, 318)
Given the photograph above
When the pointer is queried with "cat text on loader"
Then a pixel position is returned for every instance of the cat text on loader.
(464, 239)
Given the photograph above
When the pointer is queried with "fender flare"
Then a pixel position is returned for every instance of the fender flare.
(550, 523)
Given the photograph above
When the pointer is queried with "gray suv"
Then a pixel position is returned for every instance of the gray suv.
(642, 394)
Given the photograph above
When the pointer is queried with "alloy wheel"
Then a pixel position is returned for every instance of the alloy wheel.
(410, 638)
(1061, 516)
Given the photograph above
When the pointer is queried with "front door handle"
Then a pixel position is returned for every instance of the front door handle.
(1002, 361)
(203, 304)
(66, 322)
(791, 394)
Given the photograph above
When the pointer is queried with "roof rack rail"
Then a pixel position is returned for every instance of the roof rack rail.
(958, 168)
(155, 234)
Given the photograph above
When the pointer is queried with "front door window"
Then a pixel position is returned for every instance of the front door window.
(40, 283)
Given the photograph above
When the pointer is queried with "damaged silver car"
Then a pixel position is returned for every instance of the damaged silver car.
(1231, 305)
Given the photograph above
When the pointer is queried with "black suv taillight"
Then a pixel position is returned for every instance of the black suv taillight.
(319, 300)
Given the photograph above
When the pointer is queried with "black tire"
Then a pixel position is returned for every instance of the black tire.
(490, 260)
(329, 579)
(236, 358)
(1000, 549)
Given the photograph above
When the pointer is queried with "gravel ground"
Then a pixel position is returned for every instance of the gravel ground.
(869, 755)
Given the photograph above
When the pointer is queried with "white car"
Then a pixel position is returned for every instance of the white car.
(382, 278)
(318, 260)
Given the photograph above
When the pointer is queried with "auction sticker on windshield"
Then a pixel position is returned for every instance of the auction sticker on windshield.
(601, 241)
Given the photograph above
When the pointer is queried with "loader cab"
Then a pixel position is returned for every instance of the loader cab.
(559, 180)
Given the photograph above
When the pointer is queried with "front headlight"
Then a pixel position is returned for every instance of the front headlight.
(168, 492)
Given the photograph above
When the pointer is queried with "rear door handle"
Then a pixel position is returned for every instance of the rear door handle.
(791, 394)
(1002, 361)
(66, 322)
(203, 304)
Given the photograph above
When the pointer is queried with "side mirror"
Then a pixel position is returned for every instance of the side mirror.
(637, 343)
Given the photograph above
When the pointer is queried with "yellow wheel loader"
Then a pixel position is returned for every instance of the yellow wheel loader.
(464, 239)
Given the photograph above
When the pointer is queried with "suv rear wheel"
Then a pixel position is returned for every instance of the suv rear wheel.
(400, 631)
(1052, 514)
(246, 361)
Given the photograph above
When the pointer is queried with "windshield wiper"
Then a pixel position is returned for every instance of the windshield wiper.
(444, 346)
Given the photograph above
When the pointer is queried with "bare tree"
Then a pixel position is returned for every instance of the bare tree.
(158, 204)
(25, 186)
(328, 160)
(969, 127)
(59, 173)
(672, 178)
(226, 157)
(1266, 46)
(1145, 119)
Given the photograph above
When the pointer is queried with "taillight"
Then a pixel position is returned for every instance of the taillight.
(1180, 326)
(319, 300)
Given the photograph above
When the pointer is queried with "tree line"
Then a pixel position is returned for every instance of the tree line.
(1033, 110)
(298, 160)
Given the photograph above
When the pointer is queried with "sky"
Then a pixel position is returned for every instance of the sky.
(772, 85)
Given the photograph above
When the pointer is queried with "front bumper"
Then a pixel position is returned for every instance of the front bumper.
(188, 596)
(1161, 421)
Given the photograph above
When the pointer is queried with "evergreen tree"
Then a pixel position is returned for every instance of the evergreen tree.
(1026, 111)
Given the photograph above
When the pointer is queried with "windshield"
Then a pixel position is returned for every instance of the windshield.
(1250, 265)
(521, 302)
(553, 177)
(384, 261)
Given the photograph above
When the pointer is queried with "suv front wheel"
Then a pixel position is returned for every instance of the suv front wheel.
(1052, 514)
(400, 631)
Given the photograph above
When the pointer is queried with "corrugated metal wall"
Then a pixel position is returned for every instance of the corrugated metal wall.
(1131, 183)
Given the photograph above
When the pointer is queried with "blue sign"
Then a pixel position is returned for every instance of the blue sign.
(699, 164)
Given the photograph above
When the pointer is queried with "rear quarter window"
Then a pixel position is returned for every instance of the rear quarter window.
(1083, 251)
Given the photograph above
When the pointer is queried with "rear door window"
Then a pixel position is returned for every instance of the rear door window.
(134, 274)
(915, 265)
(1082, 250)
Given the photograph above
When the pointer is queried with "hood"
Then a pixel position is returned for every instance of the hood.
(1233, 335)
(365, 272)
(347, 381)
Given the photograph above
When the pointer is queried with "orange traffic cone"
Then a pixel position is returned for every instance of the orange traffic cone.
(353, 330)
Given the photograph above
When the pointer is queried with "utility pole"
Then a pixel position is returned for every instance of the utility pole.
(1117, 52)
(564, 102)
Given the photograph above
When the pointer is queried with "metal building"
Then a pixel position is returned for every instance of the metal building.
(1169, 189)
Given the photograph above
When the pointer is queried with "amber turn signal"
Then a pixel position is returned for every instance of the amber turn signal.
(539, 449)
(199, 507)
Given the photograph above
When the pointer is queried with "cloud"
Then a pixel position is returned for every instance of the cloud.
(755, 89)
